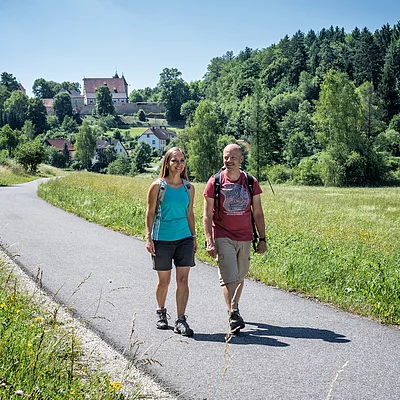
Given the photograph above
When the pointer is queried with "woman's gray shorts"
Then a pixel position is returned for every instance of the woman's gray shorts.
(181, 251)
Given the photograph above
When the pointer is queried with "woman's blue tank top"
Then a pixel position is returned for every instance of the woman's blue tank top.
(171, 221)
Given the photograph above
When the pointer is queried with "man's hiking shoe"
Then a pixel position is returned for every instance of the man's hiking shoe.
(236, 322)
(182, 327)
(162, 316)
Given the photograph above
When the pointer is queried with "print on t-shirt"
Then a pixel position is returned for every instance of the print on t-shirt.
(236, 199)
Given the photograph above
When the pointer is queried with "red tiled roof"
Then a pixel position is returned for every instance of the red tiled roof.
(116, 85)
(59, 144)
(160, 133)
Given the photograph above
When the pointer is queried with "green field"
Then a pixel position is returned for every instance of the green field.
(337, 245)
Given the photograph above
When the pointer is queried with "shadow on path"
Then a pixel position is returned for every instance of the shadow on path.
(260, 335)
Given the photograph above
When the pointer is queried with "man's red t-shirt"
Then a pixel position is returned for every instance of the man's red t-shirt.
(233, 219)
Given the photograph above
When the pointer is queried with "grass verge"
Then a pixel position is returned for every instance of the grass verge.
(45, 354)
(337, 245)
(12, 173)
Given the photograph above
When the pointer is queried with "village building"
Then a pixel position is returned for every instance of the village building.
(59, 145)
(118, 88)
(157, 137)
(101, 145)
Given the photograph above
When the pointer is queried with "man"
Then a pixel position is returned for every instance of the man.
(229, 230)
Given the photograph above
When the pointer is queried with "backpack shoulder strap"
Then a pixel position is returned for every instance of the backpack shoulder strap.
(161, 193)
(188, 187)
(217, 186)
(250, 185)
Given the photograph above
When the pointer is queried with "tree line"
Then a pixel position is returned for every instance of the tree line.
(317, 108)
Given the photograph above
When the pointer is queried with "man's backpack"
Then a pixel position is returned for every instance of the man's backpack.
(249, 184)
(163, 187)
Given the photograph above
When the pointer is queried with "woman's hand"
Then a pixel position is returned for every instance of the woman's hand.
(150, 247)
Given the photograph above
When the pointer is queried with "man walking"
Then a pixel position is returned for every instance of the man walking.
(229, 230)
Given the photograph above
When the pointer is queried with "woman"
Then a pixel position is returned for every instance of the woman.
(171, 235)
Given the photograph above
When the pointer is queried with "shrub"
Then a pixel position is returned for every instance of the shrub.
(278, 173)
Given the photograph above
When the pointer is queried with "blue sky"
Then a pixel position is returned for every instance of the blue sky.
(67, 40)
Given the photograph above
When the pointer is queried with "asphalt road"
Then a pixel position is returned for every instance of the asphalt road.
(291, 348)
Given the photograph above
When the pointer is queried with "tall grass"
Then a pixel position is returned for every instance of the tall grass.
(40, 357)
(337, 245)
(12, 173)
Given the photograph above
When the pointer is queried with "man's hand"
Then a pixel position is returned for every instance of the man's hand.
(261, 247)
(211, 250)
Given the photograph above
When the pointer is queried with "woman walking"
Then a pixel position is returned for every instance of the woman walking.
(171, 235)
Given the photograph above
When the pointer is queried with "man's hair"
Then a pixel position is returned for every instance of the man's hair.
(236, 146)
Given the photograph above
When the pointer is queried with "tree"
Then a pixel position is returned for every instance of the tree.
(85, 144)
(120, 166)
(347, 156)
(204, 158)
(371, 113)
(30, 155)
(69, 125)
(9, 81)
(188, 109)
(62, 106)
(43, 89)
(4, 95)
(264, 135)
(104, 103)
(174, 92)
(8, 139)
(141, 115)
(37, 114)
(388, 89)
(54, 157)
(141, 157)
(16, 109)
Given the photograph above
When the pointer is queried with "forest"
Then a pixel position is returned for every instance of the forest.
(321, 108)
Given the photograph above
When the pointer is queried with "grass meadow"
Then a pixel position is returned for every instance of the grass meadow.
(337, 245)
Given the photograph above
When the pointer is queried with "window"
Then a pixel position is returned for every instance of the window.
(153, 142)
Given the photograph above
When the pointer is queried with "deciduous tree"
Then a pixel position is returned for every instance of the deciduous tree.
(104, 103)
(62, 106)
(85, 144)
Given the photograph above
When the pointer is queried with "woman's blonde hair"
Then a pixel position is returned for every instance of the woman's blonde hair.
(164, 171)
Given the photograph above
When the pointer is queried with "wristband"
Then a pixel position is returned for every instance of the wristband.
(262, 240)
(194, 236)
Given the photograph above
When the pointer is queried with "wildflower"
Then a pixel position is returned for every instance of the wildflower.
(19, 392)
(30, 345)
(116, 385)
(3, 305)
(38, 320)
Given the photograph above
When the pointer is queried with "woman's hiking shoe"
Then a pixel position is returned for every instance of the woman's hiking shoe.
(236, 322)
(182, 327)
(163, 317)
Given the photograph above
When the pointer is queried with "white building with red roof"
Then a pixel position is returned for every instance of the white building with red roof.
(118, 88)
(157, 137)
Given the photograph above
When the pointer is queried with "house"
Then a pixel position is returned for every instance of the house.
(157, 138)
(101, 145)
(118, 88)
(59, 145)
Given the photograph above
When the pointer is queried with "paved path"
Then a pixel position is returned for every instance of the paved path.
(292, 348)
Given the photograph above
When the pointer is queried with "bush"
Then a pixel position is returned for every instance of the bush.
(121, 166)
(307, 172)
(30, 155)
(141, 115)
(278, 174)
